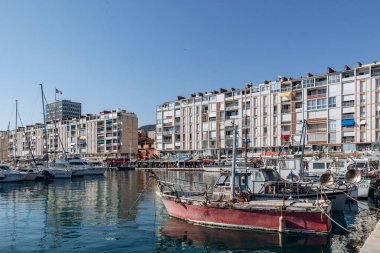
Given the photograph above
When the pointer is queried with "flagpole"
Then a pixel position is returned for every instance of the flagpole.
(55, 95)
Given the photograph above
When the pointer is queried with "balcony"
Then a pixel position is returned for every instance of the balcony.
(320, 83)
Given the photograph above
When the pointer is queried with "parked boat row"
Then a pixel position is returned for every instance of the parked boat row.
(61, 168)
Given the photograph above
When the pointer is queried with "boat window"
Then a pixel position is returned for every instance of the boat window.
(85, 163)
(60, 165)
(339, 164)
(4, 168)
(76, 163)
(272, 175)
(327, 165)
(360, 165)
(222, 180)
(318, 166)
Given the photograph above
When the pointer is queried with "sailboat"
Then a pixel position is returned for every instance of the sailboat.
(58, 170)
(234, 207)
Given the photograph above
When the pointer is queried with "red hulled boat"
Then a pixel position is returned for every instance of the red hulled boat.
(233, 206)
(269, 215)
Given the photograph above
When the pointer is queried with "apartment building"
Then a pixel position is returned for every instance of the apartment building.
(63, 109)
(341, 110)
(107, 134)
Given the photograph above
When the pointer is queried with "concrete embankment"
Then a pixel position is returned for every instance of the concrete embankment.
(372, 244)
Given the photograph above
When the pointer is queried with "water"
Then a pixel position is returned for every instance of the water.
(120, 213)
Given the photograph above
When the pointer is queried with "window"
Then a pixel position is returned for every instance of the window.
(299, 105)
(317, 104)
(307, 83)
(332, 102)
(316, 92)
(319, 166)
(332, 125)
(377, 83)
(362, 86)
(334, 78)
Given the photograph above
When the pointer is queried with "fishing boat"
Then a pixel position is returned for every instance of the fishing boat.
(234, 207)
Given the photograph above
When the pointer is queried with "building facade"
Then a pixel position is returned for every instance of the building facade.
(4, 154)
(341, 111)
(107, 134)
(63, 109)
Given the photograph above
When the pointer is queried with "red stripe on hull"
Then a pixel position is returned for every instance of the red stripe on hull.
(295, 221)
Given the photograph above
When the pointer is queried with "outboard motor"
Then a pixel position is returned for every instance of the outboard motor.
(326, 179)
(353, 176)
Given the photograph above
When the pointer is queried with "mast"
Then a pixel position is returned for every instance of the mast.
(44, 142)
(233, 162)
(15, 136)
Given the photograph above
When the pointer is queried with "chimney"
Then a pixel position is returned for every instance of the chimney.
(309, 74)
(200, 94)
(180, 98)
(221, 90)
(266, 81)
(358, 64)
(215, 92)
(330, 70)
(233, 89)
(375, 62)
(346, 67)
(192, 95)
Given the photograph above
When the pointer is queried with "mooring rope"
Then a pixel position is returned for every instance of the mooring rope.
(134, 203)
(328, 216)
(374, 208)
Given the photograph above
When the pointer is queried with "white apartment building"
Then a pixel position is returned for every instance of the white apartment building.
(107, 134)
(341, 108)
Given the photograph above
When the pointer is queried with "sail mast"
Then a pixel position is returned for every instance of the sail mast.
(15, 137)
(233, 163)
(44, 141)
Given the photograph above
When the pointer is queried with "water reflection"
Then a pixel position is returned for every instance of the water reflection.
(120, 213)
(178, 234)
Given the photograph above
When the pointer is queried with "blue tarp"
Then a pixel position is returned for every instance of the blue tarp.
(348, 122)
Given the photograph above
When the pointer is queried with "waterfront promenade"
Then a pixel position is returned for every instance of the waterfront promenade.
(371, 245)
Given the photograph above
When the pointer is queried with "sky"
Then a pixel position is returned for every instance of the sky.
(135, 55)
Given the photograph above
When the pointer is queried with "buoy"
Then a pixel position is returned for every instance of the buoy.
(281, 224)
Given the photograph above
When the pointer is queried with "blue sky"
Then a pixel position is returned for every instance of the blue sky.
(137, 54)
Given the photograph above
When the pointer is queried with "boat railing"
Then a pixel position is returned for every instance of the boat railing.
(180, 188)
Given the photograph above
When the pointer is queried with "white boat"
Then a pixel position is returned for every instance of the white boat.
(59, 170)
(31, 173)
(338, 168)
(11, 175)
(95, 168)
(76, 165)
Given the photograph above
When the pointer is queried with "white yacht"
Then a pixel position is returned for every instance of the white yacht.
(95, 168)
(76, 165)
(10, 175)
(58, 170)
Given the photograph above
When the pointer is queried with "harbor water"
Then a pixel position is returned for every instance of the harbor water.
(121, 213)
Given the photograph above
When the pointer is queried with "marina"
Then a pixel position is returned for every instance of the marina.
(122, 211)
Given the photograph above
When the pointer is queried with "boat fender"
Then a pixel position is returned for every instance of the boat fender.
(281, 224)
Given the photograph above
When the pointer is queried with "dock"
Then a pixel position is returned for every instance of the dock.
(372, 244)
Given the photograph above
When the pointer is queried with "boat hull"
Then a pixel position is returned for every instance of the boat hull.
(96, 171)
(12, 177)
(298, 221)
(58, 173)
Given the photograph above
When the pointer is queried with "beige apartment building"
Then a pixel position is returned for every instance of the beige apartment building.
(341, 111)
(107, 134)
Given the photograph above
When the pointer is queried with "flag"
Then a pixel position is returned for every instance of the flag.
(58, 91)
